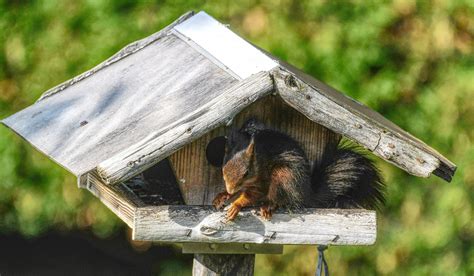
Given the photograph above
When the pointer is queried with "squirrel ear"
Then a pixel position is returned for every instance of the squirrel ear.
(249, 150)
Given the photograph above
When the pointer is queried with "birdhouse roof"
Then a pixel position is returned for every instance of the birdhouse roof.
(161, 92)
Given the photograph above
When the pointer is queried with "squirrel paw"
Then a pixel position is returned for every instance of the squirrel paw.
(266, 212)
(220, 199)
(233, 211)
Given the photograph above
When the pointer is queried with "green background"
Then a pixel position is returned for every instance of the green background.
(411, 61)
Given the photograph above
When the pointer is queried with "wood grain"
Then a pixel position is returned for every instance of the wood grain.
(198, 180)
(124, 52)
(203, 224)
(277, 114)
(123, 103)
(201, 181)
(120, 202)
(215, 265)
(231, 248)
(193, 123)
(343, 115)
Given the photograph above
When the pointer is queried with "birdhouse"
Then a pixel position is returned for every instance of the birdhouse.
(144, 132)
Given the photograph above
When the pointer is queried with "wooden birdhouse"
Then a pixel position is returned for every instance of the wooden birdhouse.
(143, 131)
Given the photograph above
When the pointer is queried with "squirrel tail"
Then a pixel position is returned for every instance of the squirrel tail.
(345, 178)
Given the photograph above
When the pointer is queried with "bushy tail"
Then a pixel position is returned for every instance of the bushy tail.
(345, 178)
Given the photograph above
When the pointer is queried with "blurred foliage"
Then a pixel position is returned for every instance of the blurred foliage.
(412, 61)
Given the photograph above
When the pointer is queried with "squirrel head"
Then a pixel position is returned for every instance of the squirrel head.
(237, 161)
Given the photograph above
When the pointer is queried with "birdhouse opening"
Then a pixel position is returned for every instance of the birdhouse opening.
(215, 151)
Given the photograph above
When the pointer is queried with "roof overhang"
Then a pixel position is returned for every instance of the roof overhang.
(161, 92)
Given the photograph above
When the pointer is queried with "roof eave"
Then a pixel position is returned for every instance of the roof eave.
(369, 128)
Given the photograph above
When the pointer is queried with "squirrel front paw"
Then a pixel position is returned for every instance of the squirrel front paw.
(220, 199)
(233, 211)
(266, 211)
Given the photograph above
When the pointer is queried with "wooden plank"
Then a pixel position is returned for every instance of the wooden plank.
(203, 224)
(277, 114)
(231, 248)
(124, 52)
(215, 265)
(201, 182)
(194, 123)
(198, 180)
(121, 203)
(343, 115)
(220, 44)
(100, 116)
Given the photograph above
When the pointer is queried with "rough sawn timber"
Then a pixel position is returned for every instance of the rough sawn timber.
(182, 224)
(197, 122)
(332, 109)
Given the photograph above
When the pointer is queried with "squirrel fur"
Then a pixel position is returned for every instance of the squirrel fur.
(267, 168)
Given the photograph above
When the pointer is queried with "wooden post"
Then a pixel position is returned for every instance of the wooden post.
(223, 264)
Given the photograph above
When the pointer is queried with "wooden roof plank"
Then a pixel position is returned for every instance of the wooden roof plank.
(124, 52)
(343, 115)
(195, 122)
(98, 117)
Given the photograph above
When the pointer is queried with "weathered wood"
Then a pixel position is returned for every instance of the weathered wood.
(213, 265)
(201, 224)
(147, 86)
(198, 180)
(231, 248)
(223, 46)
(194, 123)
(139, 191)
(121, 203)
(98, 117)
(195, 192)
(278, 115)
(124, 52)
(343, 115)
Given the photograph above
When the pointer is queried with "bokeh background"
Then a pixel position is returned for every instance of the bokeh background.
(413, 61)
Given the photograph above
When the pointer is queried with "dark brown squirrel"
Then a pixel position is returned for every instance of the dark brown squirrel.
(267, 168)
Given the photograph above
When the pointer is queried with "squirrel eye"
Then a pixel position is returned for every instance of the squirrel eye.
(246, 173)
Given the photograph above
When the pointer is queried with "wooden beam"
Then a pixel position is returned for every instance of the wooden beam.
(120, 202)
(332, 109)
(231, 248)
(216, 264)
(124, 52)
(203, 224)
(162, 143)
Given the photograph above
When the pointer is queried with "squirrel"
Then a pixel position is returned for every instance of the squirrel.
(267, 168)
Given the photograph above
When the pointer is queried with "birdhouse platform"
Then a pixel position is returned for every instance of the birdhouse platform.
(144, 131)
(160, 218)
